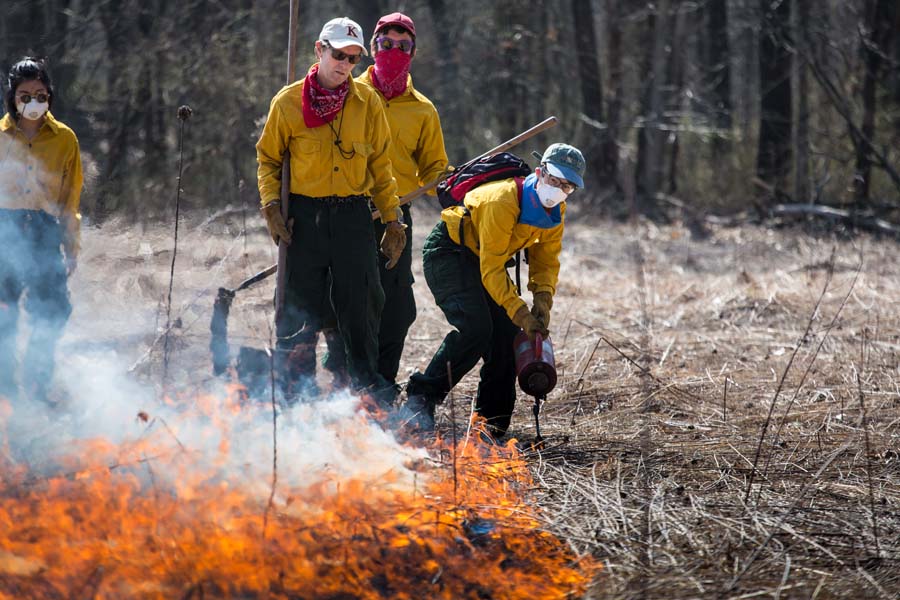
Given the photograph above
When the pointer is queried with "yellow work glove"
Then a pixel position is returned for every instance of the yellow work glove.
(543, 302)
(526, 321)
(275, 222)
(393, 242)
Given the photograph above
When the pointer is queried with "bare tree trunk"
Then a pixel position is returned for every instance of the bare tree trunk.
(718, 105)
(718, 64)
(146, 104)
(514, 40)
(876, 39)
(746, 24)
(591, 87)
(650, 167)
(115, 20)
(614, 67)
(674, 85)
(544, 67)
(801, 139)
(773, 160)
(65, 68)
(24, 31)
(35, 29)
(452, 112)
(895, 81)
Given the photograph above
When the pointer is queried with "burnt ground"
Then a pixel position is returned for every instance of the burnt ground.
(726, 418)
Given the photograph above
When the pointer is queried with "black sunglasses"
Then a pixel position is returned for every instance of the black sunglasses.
(339, 56)
(40, 97)
(386, 43)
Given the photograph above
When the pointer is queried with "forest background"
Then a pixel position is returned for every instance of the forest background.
(704, 106)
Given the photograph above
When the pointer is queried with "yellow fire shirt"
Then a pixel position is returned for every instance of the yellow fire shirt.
(43, 174)
(318, 168)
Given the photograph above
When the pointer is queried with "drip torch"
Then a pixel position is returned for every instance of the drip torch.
(536, 373)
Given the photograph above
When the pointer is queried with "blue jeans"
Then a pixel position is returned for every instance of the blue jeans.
(31, 264)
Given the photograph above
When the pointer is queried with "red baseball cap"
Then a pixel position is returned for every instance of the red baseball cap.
(396, 18)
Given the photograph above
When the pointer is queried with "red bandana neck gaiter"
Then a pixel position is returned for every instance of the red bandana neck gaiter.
(321, 106)
(391, 72)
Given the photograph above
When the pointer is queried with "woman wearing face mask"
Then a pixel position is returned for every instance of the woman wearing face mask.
(40, 192)
(464, 260)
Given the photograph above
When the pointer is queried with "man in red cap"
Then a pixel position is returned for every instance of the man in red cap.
(418, 157)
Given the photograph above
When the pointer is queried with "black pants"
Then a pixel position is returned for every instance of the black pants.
(31, 264)
(330, 236)
(483, 331)
(397, 317)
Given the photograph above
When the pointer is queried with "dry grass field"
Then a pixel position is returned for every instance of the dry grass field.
(727, 418)
(727, 425)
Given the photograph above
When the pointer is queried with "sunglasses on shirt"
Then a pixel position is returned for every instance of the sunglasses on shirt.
(386, 43)
(40, 97)
(340, 56)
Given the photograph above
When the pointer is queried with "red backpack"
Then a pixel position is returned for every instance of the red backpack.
(452, 191)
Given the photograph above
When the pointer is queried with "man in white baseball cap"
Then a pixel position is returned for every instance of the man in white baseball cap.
(343, 32)
(340, 142)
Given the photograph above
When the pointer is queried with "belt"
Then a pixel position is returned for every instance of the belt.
(332, 200)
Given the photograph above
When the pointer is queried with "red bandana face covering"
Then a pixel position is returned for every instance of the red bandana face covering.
(321, 106)
(391, 72)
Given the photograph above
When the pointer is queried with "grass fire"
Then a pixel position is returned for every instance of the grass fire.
(186, 506)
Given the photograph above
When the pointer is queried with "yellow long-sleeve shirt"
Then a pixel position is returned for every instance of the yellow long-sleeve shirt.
(317, 167)
(493, 232)
(43, 173)
(417, 148)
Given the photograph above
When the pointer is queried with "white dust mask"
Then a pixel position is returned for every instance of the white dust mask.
(32, 111)
(548, 195)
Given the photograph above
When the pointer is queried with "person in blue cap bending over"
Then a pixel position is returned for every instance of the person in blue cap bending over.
(464, 260)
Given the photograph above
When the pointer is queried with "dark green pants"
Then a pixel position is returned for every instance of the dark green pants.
(397, 317)
(330, 237)
(482, 331)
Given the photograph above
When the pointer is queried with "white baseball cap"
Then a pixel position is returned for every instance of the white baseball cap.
(342, 32)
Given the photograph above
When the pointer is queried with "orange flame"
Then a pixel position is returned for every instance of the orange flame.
(153, 518)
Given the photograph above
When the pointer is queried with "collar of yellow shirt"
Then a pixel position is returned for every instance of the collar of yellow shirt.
(7, 123)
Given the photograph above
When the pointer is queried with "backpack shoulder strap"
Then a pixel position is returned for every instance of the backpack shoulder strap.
(520, 182)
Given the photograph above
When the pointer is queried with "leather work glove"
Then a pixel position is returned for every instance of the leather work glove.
(275, 222)
(541, 306)
(393, 242)
(528, 323)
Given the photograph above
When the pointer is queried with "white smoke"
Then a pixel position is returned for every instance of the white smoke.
(328, 440)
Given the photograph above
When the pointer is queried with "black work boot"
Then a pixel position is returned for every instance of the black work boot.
(417, 414)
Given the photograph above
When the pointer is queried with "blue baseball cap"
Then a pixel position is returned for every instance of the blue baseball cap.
(564, 161)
